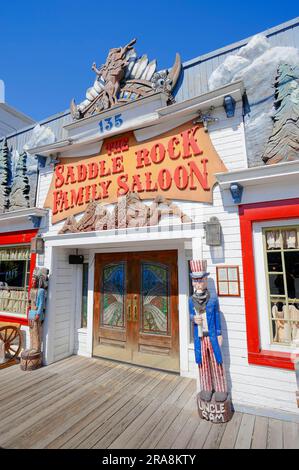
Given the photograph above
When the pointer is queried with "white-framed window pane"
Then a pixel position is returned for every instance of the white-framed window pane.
(223, 288)
(222, 274)
(232, 274)
(273, 239)
(233, 288)
(290, 239)
(276, 284)
(274, 261)
(291, 259)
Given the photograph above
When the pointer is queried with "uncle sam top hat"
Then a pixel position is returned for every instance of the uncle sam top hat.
(198, 269)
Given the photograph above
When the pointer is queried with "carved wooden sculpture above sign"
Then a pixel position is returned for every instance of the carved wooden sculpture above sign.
(125, 77)
(181, 165)
(130, 211)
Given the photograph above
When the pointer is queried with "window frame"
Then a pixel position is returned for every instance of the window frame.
(227, 267)
(282, 250)
(19, 238)
(249, 214)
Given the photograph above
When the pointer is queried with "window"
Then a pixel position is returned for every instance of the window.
(267, 214)
(281, 248)
(84, 295)
(14, 279)
(228, 281)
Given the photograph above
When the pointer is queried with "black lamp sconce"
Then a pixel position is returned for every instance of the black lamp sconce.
(76, 259)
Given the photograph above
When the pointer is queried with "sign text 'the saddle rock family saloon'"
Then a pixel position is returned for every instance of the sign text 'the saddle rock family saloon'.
(179, 164)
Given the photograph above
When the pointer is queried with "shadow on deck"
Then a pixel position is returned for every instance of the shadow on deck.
(93, 403)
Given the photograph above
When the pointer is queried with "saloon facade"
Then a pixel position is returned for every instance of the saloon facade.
(151, 170)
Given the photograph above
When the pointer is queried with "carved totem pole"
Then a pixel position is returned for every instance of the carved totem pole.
(32, 358)
(213, 401)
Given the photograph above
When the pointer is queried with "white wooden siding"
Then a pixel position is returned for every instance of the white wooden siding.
(61, 306)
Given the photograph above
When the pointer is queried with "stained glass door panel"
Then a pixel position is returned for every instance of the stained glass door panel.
(154, 298)
(113, 292)
(110, 307)
(157, 333)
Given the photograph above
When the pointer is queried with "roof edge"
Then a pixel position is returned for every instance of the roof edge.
(238, 44)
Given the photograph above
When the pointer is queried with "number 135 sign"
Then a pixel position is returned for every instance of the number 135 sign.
(109, 123)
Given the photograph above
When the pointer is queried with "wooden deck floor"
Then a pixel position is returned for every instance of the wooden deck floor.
(92, 403)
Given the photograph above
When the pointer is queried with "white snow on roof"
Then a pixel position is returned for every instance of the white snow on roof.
(256, 64)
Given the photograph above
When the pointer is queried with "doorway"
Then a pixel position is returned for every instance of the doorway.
(136, 308)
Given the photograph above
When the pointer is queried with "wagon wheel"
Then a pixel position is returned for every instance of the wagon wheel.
(12, 339)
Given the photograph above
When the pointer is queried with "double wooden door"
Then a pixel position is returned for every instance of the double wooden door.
(136, 308)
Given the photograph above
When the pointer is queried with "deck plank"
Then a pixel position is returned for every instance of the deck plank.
(179, 423)
(186, 433)
(290, 435)
(275, 435)
(260, 433)
(231, 432)
(214, 437)
(245, 432)
(200, 435)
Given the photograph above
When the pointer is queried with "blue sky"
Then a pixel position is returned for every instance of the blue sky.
(47, 47)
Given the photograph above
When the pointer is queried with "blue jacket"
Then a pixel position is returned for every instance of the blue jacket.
(214, 326)
(40, 304)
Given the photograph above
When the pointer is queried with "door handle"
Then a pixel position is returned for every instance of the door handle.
(135, 308)
(129, 317)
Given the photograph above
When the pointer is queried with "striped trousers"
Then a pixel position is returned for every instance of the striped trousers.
(211, 374)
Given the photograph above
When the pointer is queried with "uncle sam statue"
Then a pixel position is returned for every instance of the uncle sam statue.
(204, 312)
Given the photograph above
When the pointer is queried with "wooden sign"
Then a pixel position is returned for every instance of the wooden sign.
(180, 165)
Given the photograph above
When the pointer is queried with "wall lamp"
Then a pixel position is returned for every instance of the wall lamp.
(38, 245)
(213, 232)
(236, 190)
(229, 105)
